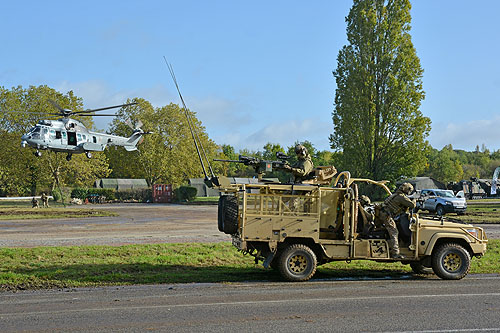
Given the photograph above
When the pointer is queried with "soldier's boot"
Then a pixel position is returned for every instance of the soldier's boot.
(394, 249)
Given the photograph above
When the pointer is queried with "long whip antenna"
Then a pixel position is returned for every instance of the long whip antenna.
(194, 134)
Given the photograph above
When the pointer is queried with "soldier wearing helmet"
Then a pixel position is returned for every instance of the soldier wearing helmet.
(395, 205)
(302, 167)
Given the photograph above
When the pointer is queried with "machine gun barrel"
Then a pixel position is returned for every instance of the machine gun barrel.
(260, 166)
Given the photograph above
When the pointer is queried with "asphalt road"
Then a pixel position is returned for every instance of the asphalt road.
(405, 305)
(136, 224)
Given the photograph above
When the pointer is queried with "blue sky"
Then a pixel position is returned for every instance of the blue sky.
(254, 71)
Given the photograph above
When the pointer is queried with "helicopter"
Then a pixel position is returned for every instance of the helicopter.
(70, 136)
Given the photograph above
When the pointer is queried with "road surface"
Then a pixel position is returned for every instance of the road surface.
(403, 305)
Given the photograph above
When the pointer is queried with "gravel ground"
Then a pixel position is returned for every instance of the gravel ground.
(135, 224)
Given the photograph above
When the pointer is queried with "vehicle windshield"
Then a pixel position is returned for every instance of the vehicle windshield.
(444, 194)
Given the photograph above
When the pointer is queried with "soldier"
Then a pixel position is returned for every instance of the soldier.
(34, 203)
(302, 167)
(393, 206)
(45, 200)
(367, 215)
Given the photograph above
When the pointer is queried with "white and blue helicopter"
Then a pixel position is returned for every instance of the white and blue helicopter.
(70, 136)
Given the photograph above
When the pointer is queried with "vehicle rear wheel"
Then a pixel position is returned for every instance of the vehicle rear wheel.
(440, 210)
(297, 263)
(227, 219)
(450, 261)
(418, 268)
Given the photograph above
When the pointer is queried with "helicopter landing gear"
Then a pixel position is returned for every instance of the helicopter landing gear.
(38, 153)
(88, 154)
(68, 157)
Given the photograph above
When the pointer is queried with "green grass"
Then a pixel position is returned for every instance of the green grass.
(79, 266)
(21, 210)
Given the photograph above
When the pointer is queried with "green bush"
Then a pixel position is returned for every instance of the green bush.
(109, 193)
(56, 194)
(80, 193)
(185, 193)
(141, 195)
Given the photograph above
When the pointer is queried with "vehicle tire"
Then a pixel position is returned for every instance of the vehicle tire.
(297, 263)
(450, 261)
(228, 214)
(440, 210)
(220, 215)
(418, 268)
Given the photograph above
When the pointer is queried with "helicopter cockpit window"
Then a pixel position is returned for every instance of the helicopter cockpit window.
(44, 131)
(52, 134)
(84, 137)
(79, 136)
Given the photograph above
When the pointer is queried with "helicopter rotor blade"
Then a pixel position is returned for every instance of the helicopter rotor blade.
(95, 115)
(106, 108)
(57, 106)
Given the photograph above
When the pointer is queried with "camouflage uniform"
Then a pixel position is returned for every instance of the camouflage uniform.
(303, 166)
(45, 200)
(34, 203)
(393, 206)
(367, 214)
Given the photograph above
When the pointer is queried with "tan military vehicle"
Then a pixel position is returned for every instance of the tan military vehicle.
(295, 228)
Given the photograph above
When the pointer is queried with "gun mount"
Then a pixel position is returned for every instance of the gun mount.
(260, 166)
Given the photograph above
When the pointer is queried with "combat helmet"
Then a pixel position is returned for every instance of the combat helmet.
(364, 200)
(300, 150)
(406, 188)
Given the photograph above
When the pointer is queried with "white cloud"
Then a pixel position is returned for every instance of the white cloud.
(285, 133)
(468, 134)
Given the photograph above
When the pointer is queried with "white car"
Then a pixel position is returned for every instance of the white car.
(440, 202)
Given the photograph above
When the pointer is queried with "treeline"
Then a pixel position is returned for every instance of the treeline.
(167, 155)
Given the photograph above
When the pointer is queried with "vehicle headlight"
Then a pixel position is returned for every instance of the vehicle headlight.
(473, 232)
(449, 203)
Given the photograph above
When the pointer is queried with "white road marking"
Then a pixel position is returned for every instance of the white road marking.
(260, 302)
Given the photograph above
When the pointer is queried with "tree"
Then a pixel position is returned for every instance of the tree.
(25, 174)
(378, 126)
(445, 165)
(168, 154)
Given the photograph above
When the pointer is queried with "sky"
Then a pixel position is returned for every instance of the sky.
(253, 71)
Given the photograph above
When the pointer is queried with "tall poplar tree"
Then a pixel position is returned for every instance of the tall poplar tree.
(378, 126)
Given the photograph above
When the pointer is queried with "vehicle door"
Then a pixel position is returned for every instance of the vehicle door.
(429, 203)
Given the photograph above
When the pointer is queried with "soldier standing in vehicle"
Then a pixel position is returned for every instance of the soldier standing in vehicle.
(393, 206)
(302, 167)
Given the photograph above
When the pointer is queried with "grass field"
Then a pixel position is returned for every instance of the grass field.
(21, 210)
(79, 266)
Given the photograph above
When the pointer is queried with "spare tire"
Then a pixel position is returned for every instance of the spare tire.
(228, 214)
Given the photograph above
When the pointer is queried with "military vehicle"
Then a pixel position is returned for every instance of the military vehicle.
(473, 188)
(293, 228)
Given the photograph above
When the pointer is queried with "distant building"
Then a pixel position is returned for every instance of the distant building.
(420, 183)
(121, 184)
(205, 191)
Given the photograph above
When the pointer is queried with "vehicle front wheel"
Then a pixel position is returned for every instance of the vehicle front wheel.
(440, 210)
(450, 261)
(297, 263)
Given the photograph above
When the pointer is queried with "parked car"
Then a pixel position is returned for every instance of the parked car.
(440, 201)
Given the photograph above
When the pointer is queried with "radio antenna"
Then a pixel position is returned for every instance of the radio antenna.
(194, 134)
